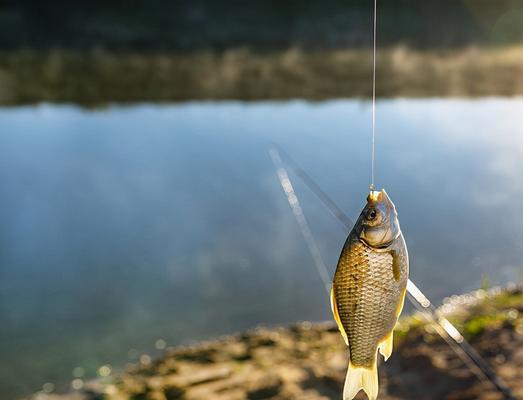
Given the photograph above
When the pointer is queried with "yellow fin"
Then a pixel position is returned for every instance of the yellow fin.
(337, 316)
(361, 378)
(386, 345)
(399, 309)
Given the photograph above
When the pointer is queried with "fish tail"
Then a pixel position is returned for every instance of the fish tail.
(361, 378)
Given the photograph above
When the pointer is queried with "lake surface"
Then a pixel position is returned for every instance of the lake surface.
(125, 225)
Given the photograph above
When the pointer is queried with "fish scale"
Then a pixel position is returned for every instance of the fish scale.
(367, 297)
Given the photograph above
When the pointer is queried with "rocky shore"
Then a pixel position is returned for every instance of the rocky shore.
(308, 361)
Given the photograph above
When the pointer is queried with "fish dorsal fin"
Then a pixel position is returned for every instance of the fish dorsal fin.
(336, 315)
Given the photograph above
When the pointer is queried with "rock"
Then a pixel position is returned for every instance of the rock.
(173, 392)
(156, 396)
(203, 356)
(206, 375)
(265, 387)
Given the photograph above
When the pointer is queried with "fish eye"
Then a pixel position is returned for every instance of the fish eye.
(372, 214)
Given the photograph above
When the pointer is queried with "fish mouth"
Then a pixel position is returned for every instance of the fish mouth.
(380, 197)
(374, 195)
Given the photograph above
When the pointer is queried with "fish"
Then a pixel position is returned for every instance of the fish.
(368, 291)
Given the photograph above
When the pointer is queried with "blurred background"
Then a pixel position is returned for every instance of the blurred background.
(139, 207)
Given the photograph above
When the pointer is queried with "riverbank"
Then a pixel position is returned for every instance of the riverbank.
(308, 361)
(99, 77)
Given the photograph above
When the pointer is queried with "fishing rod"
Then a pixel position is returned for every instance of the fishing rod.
(286, 184)
(470, 357)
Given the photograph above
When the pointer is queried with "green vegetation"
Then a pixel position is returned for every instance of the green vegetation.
(505, 308)
(99, 52)
(493, 312)
(476, 325)
(99, 77)
(189, 25)
(507, 301)
(490, 313)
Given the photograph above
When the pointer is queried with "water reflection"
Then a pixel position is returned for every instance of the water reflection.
(130, 225)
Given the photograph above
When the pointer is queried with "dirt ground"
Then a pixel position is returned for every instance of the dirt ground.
(308, 361)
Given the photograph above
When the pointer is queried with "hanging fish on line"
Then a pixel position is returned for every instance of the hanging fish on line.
(368, 291)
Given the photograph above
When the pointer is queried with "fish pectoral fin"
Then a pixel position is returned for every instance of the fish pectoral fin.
(385, 347)
(396, 265)
(401, 303)
(361, 378)
(337, 316)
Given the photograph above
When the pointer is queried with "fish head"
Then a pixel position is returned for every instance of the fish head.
(378, 223)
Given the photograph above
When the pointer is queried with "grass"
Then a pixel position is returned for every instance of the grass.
(493, 312)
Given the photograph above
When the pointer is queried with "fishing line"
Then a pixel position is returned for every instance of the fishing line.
(448, 332)
(374, 94)
(458, 343)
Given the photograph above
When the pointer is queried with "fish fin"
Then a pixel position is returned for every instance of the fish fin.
(386, 345)
(396, 265)
(361, 378)
(399, 309)
(337, 316)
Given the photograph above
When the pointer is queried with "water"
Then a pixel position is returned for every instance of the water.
(124, 225)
